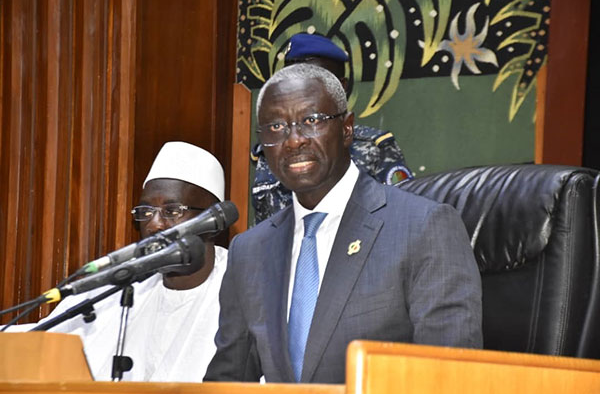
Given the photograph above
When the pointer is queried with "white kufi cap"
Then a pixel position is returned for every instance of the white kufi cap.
(189, 163)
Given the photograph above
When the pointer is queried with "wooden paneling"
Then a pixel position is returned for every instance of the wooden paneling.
(66, 142)
(185, 73)
(240, 166)
(174, 97)
(226, 38)
(90, 90)
(559, 138)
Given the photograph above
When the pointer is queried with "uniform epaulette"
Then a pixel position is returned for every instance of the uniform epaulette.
(383, 138)
(367, 133)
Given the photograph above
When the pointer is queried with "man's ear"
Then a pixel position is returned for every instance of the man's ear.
(348, 128)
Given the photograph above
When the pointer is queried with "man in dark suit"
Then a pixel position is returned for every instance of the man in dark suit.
(350, 259)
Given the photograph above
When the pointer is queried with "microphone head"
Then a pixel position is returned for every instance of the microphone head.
(152, 244)
(213, 220)
(227, 214)
(192, 252)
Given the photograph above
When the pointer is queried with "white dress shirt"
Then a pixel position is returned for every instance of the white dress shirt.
(333, 204)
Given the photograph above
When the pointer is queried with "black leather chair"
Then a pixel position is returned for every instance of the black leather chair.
(534, 231)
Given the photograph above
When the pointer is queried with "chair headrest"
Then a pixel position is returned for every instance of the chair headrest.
(508, 210)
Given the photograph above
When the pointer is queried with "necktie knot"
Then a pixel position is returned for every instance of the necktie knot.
(312, 223)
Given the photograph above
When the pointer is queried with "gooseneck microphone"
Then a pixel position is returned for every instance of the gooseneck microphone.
(185, 254)
(177, 249)
(214, 220)
(148, 254)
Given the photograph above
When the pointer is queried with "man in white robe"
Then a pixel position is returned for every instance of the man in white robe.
(174, 317)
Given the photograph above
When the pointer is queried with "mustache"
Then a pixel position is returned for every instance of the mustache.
(300, 156)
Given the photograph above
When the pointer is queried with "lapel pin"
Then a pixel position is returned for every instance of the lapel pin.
(354, 247)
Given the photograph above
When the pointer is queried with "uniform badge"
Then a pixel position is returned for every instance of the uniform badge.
(397, 174)
(354, 247)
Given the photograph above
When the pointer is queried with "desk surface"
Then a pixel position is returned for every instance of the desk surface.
(143, 388)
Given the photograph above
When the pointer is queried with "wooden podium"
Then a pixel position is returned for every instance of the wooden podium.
(42, 357)
(384, 367)
(54, 363)
(41, 362)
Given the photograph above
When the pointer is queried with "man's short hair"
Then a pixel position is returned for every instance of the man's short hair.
(331, 83)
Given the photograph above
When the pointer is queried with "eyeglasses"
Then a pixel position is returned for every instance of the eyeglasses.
(310, 126)
(143, 213)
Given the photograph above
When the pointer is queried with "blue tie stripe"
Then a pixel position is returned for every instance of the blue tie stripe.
(305, 293)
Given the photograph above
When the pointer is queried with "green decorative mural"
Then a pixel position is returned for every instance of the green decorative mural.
(454, 80)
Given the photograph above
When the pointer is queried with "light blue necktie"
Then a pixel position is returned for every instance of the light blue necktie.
(306, 290)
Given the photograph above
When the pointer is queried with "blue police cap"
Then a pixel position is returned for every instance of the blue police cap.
(304, 45)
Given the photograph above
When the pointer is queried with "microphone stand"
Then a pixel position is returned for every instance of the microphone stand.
(122, 363)
(123, 278)
(85, 308)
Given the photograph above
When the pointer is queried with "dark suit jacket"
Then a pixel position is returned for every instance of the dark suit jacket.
(413, 280)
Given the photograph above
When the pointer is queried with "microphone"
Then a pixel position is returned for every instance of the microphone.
(215, 219)
(184, 255)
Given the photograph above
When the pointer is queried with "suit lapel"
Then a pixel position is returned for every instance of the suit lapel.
(343, 269)
(277, 272)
